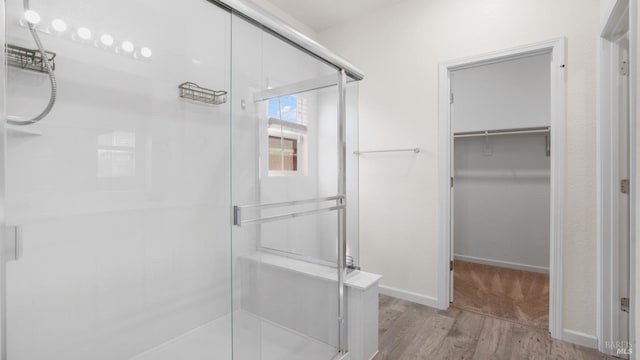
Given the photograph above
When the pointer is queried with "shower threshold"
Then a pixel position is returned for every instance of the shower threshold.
(255, 339)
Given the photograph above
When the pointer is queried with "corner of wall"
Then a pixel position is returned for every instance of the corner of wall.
(411, 296)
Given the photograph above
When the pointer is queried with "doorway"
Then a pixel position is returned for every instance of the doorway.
(501, 189)
(490, 140)
(616, 193)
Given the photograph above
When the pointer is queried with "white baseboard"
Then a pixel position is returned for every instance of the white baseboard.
(505, 264)
(579, 338)
(409, 296)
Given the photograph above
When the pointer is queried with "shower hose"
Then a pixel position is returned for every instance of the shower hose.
(15, 120)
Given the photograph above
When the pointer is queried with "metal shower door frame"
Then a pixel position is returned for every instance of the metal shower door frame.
(342, 213)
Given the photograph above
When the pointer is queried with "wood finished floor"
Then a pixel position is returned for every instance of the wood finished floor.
(411, 331)
(520, 296)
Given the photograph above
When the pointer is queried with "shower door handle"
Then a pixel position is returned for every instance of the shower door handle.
(12, 243)
(238, 219)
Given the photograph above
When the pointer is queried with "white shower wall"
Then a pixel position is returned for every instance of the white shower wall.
(124, 199)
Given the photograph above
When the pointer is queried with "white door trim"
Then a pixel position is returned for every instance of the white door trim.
(633, 112)
(608, 302)
(556, 47)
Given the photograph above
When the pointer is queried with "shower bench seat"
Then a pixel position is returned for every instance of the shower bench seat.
(308, 293)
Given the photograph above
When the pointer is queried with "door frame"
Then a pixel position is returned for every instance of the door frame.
(556, 47)
(3, 232)
(608, 325)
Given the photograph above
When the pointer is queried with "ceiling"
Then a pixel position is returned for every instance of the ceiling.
(322, 14)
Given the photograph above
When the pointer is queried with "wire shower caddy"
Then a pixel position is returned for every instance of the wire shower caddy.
(29, 59)
(193, 91)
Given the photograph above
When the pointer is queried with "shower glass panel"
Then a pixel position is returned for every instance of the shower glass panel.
(154, 214)
(352, 159)
(122, 193)
(286, 286)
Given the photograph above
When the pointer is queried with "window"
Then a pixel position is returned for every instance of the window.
(285, 108)
(283, 154)
(287, 133)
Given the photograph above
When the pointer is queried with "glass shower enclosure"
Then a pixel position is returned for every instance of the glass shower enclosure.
(191, 195)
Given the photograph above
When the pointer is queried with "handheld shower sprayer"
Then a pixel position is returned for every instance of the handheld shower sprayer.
(15, 120)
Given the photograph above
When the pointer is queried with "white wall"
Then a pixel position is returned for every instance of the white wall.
(501, 201)
(399, 48)
(285, 17)
(605, 6)
(503, 95)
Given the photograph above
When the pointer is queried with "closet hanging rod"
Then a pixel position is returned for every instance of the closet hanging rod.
(414, 150)
(536, 130)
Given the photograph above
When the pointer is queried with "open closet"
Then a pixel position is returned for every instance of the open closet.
(500, 115)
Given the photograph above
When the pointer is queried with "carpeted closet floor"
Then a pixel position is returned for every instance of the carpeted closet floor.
(515, 295)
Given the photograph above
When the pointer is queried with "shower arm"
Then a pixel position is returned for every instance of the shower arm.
(15, 120)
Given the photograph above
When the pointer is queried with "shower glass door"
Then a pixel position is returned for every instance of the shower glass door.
(121, 195)
(286, 199)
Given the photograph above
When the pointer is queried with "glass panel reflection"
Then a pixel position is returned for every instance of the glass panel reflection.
(116, 154)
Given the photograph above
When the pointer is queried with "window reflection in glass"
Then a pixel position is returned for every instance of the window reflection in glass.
(116, 154)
